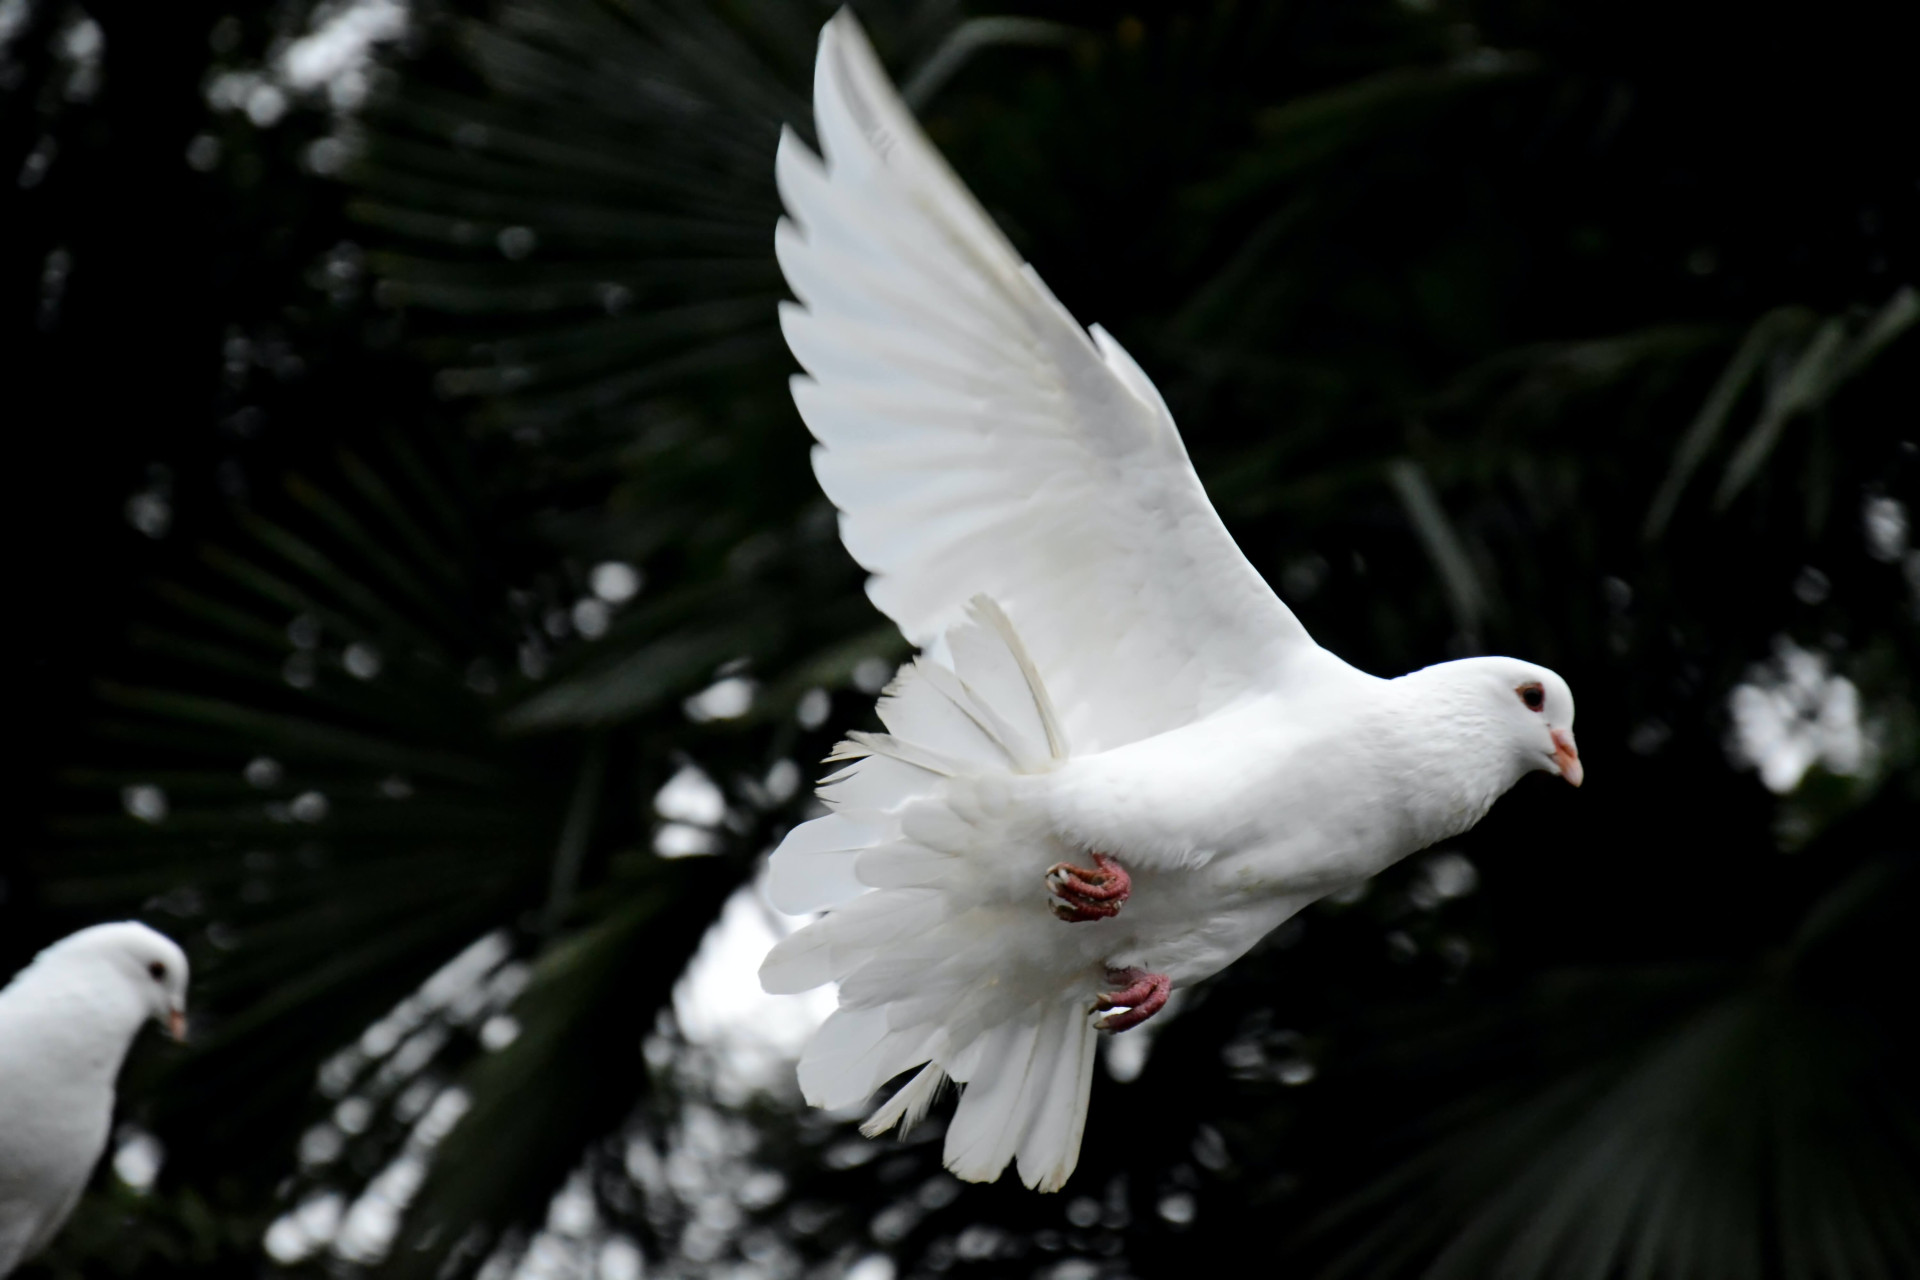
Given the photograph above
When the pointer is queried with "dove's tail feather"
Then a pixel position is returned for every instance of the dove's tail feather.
(937, 929)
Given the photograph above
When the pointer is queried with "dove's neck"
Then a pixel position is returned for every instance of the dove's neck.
(1457, 756)
(79, 1013)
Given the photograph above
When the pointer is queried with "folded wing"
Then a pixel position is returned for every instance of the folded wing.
(978, 441)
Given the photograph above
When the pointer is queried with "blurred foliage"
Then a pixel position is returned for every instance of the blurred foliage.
(1583, 332)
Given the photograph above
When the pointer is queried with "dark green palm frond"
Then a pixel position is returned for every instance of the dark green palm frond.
(595, 224)
(607, 201)
(1683, 1121)
(573, 1069)
(1806, 360)
(336, 815)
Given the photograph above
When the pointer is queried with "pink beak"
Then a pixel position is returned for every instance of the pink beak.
(177, 1024)
(1567, 756)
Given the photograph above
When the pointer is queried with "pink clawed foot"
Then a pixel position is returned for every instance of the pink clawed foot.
(1083, 894)
(1141, 995)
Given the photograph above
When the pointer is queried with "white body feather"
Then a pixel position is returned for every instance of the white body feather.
(996, 468)
(66, 1021)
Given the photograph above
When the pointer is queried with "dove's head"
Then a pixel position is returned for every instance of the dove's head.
(1535, 707)
(148, 963)
(1519, 710)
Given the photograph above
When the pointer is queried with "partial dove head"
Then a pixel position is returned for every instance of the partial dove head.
(1528, 706)
(149, 963)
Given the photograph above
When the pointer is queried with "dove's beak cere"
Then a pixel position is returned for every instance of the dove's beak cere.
(177, 1024)
(1567, 756)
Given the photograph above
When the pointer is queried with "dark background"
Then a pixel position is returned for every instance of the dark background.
(1576, 331)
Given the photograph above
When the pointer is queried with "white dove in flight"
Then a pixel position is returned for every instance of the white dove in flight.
(1119, 760)
(66, 1022)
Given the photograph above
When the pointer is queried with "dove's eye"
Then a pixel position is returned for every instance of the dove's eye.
(158, 970)
(1533, 695)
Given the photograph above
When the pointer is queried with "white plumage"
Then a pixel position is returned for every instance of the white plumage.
(1102, 670)
(66, 1022)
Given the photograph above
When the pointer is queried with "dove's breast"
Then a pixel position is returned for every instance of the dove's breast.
(1262, 799)
(1231, 825)
(56, 1107)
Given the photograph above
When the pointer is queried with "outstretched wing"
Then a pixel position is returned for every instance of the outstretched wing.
(977, 440)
